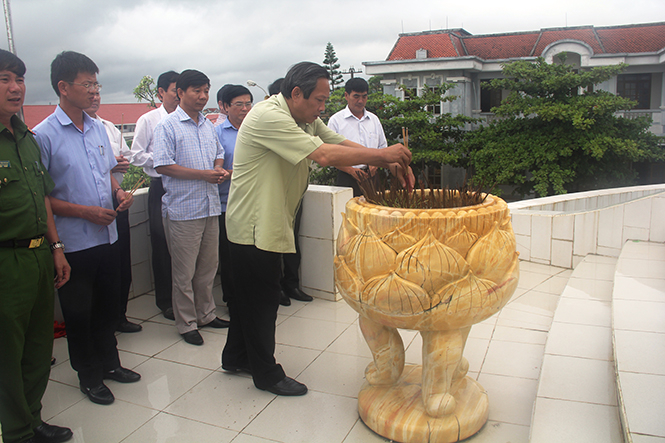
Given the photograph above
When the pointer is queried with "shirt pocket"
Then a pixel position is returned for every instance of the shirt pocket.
(372, 138)
(10, 189)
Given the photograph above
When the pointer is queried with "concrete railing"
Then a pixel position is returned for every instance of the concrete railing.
(321, 220)
(561, 230)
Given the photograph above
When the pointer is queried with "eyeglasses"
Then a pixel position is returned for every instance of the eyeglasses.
(242, 105)
(89, 86)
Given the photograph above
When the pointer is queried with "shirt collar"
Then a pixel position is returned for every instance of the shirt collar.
(183, 116)
(19, 127)
(281, 103)
(346, 112)
(226, 124)
(64, 119)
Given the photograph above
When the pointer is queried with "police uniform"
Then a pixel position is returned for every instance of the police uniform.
(26, 283)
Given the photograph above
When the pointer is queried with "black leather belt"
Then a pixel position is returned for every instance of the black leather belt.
(30, 243)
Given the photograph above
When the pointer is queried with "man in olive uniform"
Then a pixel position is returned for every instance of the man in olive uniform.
(26, 270)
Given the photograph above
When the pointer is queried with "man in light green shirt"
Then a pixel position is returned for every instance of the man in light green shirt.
(275, 146)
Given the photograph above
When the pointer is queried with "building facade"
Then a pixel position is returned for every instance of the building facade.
(430, 58)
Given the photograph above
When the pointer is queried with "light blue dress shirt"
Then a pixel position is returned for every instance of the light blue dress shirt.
(80, 164)
(227, 135)
(180, 141)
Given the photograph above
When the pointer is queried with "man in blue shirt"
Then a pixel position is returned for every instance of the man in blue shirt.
(77, 154)
(236, 101)
(190, 158)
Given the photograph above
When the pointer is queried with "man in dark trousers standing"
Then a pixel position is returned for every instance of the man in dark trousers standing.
(77, 153)
(275, 144)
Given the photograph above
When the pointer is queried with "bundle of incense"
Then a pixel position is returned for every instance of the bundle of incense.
(136, 186)
(130, 193)
(405, 137)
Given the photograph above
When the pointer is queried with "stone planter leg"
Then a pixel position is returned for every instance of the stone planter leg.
(443, 369)
(388, 352)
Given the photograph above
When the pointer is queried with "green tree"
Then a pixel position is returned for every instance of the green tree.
(330, 63)
(434, 136)
(375, 84)
(556, 134)
(146, 91)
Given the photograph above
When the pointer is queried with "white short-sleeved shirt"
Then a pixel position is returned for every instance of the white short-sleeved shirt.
(366, 131)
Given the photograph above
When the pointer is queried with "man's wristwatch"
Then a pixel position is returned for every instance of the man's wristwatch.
(58, 245)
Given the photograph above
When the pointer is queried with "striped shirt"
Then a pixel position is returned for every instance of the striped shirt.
(181, 141)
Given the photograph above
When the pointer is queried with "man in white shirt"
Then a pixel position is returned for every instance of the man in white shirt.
(358, 125)
(142, 148)
(123, 156)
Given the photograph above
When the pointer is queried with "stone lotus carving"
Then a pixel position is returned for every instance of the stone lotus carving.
(438, 271)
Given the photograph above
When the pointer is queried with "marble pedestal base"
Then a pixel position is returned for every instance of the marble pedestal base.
(397, 411)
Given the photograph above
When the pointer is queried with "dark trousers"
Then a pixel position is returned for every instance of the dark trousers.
(124, 249)
(161, 259)
(347, 181)
(253, 309)
(225, 271)
(26, 338)
(290, 273)
(90, 304)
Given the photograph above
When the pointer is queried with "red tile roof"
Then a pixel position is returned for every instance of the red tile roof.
(501, 46)
(585, 35)
(127, 113)
(640, 38)
(437, 45)
(649, 37)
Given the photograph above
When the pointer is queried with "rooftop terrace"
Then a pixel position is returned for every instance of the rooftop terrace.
(577, 355)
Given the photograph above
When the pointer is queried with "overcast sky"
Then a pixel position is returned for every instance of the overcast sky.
(233, 41)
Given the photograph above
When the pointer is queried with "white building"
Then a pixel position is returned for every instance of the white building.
(432, 57)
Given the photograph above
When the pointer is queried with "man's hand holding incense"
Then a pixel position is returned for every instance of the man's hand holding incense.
(98, 215)
(126, 200)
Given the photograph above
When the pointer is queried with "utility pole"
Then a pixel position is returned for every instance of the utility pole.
(352, 71)
(10, 38)
(8, 23)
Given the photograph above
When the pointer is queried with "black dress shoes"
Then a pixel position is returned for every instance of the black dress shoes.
(101, 394)
(284, 299)
(46, 433)
(297, 294)
(193, 337)
(218, 323)
(287, 386)
(128, 326)
(122, 375)
(168, 314)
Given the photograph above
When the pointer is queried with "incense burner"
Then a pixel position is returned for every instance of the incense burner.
(437, 271)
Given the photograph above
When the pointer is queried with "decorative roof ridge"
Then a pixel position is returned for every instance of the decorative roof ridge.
(535, 45)
(600, 43)
(452, 42)
(501, 34)
(567, 28)
(635, 25)
(462, 32)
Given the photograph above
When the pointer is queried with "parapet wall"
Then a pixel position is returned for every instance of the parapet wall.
(561, 230)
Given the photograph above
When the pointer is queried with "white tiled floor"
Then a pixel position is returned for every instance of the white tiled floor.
(577, 382)
(639, 335)
(184, 396)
